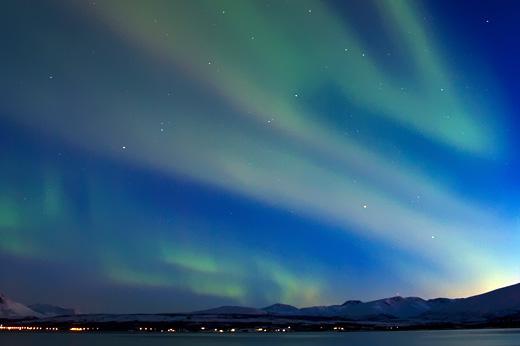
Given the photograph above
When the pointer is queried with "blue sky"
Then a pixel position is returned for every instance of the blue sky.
(172, 156)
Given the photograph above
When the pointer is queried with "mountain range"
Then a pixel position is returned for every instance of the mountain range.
(496, 304)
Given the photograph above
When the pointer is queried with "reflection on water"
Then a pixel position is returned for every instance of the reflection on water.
(497, 337)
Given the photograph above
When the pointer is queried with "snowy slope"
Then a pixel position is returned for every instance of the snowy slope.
(282, 309)
(51, 310)
(501, 302)
(12, 309)
(396, 306)
(325, 311)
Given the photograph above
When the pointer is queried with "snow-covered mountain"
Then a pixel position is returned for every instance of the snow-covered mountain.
(329, 310)
(12, 309)
(501, 302)
(282, 309)
(232, 310)
(51, 310)
(396, 306)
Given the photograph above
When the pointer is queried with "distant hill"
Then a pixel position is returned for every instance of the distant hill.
(231, 310)
(282, 309)
(51, 310)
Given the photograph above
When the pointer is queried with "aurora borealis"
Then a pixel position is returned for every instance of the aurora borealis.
(177, 155)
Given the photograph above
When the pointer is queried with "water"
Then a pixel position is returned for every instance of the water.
(509, 337)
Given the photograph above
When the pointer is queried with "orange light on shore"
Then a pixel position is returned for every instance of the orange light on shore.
(23, 328)
(78, 329)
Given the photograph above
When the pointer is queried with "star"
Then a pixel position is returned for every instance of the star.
(123, 147)
(365, 206)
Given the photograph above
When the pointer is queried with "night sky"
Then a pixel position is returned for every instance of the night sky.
(160, 156)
